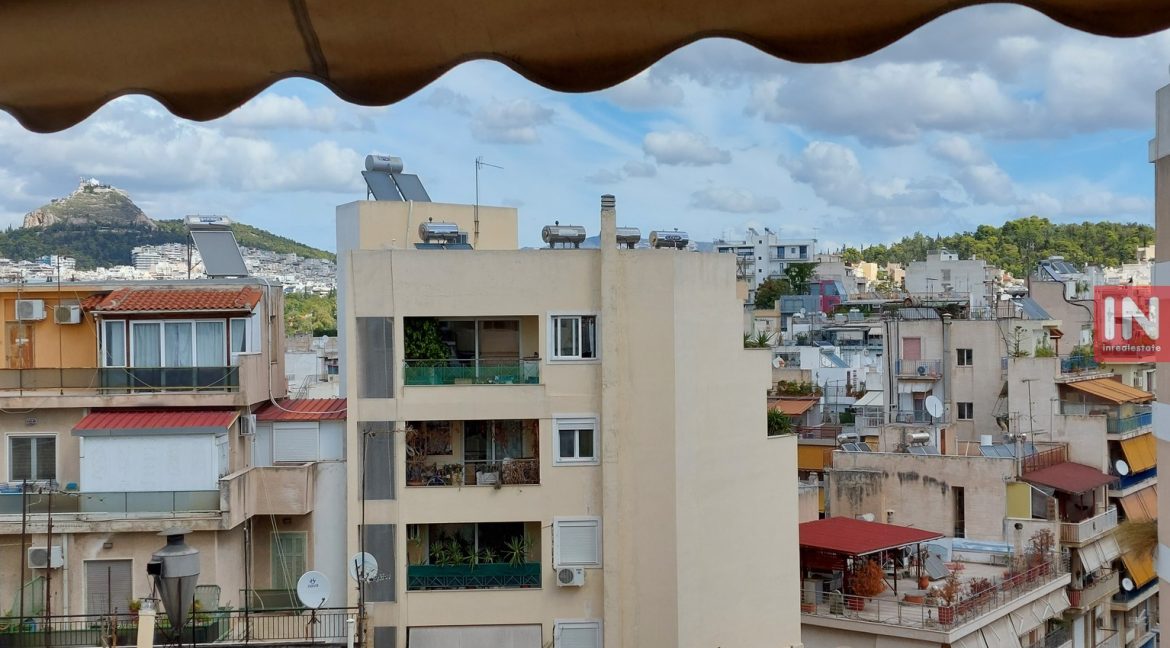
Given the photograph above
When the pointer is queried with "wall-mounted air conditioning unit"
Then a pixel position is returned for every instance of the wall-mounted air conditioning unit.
(570, 576)
(29, 310)
(248, 425)
(67, 314)
(45, 557)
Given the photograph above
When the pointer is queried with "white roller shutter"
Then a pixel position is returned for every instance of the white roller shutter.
(1001, 634)
(577, 634)
(295, 442)
(108, 586)
(577, 542)
(517, 636)
(973, 640)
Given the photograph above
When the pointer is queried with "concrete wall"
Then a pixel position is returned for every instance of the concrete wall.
(920, 490)
(816, 636)
(173, 462)
(387, 225)
(980, 383)
(1076, 317)
(685, 457)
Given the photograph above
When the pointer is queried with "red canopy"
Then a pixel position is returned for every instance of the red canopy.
(853, 537)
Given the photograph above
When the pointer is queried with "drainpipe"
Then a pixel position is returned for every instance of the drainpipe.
(611, 329)
(948, 399)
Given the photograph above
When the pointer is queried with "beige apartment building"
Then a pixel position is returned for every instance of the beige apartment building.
(130, 408)
(559, 447)
(1160, 157)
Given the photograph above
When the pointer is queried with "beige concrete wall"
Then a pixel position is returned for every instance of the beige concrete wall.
(1076, 318)
(384, 225)
(816, 636)
(56, 422)
(919, 489)
(979, 384)
(693, 461)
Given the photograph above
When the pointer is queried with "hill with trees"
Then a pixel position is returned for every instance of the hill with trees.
(1019, 244)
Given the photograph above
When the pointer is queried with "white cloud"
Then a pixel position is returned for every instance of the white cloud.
(510, 122)
(682, 148)
(835, 175)
(981, 178)
(640, 169)
(646, 91)
(274, 111)
(733, 200)
(605, 176)
(448, 99)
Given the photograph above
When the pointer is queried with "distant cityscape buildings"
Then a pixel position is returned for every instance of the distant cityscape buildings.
(169, 261)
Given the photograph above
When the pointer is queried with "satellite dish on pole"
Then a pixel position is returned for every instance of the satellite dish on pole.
(1122, 467)
(1127, 584)
(313, 589)
(363, 567)
(934, 406)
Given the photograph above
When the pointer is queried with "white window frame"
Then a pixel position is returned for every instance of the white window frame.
(105, 343)
(23, 435)
(553, 332)
(576, 422)
(559, 624)
(970, 357)
(575, 520)
(162, 340)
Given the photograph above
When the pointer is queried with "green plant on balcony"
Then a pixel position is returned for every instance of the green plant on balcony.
(779, 423)
(1017, 343)
(797, 388)
(423, 344)
(516, 550)
(1043, 350)
(416, 456)
(761, 340)
(487, 556)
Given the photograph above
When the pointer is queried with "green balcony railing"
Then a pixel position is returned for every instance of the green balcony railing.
(484, 576)
(147, 379)
(472, 372)
(115, 503)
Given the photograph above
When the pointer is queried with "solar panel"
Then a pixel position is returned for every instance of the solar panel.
(935, 567)
(917, 450)
(411, 187)
(220, 252)
(864, 447)
(849, 447)
(381, 186)
(930, 450)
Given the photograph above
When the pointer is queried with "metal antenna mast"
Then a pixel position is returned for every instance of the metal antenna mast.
(479, 163)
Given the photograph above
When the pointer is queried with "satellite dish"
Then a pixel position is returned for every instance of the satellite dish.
(777, 362)
(363, 567)
(313, 589)
(1122, 467)
(1127, 584)
(934, 406)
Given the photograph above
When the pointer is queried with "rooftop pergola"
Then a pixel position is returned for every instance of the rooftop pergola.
(832, 543)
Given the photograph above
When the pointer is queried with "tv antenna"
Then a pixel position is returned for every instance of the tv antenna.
(479, 164)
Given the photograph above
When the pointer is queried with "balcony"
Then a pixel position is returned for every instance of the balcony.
(1088, 530)
(124, 505)
(1076, 364)
(1132, 480)
(927, 369)
(472, 372)
(1115, 424)
(485, 576)
(476, 453)
(127, 386)
(268, 490)
(1090, 595)
(917, 416)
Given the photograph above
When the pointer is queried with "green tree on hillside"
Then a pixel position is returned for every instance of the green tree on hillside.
(770, 290)
(306, 314)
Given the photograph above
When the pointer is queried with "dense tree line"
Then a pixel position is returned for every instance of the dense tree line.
(1019, 244)
(310, 314)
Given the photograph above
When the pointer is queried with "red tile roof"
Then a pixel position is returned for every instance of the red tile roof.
(1069, 477)
(794, 406)
(127, 419)
(127, 300)
(852, 537)
(303, 409)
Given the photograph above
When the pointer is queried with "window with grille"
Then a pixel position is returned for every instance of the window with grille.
(32, 458)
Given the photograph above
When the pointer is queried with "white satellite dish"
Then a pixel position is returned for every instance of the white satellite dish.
(777, 362)
(1127, 584)
(934, 406)
(1122, 467)
(363, 567)
(313, 589)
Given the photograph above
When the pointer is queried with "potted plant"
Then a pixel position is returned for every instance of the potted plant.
(1039, 553)
(424, 349)
(865, 581)
(416, 456)
(516, 550)
(949, 593)
(981, 590)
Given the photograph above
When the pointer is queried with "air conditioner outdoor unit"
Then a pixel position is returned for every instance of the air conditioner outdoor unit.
(46, 558)
(248, 425)
(69, 314)
(570, 576)
(30, 309)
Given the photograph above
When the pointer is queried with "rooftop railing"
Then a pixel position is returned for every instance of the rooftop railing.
(114, 503)
(919, 368)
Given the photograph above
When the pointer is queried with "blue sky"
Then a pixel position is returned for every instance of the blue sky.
(986, 114)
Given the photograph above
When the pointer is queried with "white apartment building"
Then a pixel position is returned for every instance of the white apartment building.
(944, 272)
(586, 423)
(762, 255)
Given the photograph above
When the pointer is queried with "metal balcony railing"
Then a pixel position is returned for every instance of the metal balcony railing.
(1142, 419)
(916, 416)
(482, 576)
(1072, 364)
(919, 368)
(472, 372)
(151, 379)
(114, 503)
(1088, 596)
(505, 472)
(1134, 479)
(1086, 530)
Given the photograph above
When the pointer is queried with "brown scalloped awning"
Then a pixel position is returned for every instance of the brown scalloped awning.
(62, 60)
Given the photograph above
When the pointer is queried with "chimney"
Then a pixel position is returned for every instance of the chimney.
(608, 221)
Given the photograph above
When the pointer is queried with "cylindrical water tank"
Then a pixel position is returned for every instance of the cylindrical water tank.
(384, 163)
(628, 236)
(432, 230)
(669, 239)
(918, 438)
(564, 234)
